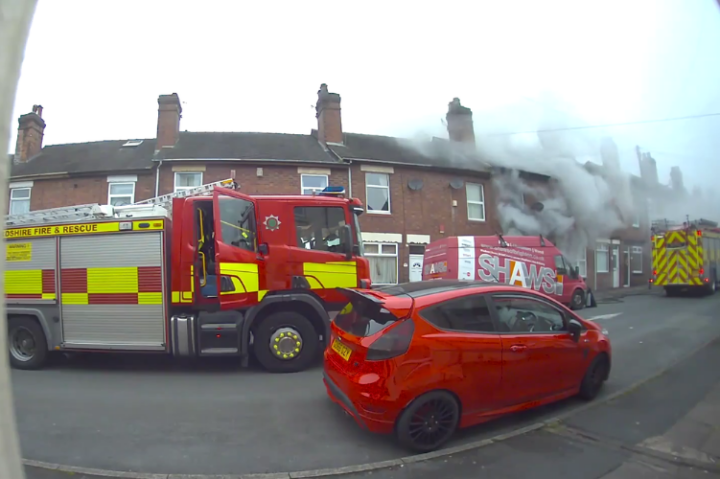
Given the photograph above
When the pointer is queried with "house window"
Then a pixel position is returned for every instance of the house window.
(310, 184)
(582, 264)
(383, 259)
(187, 180)
(602, 258)
(636, 219)
(19, 201)
(120, 194)
(636, 259)
(475, 202)
(377, 192)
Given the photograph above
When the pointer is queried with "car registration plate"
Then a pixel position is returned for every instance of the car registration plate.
(341, 349)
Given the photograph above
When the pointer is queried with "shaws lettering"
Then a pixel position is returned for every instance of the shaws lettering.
(51, 230)
(435, 268)
(519, 273)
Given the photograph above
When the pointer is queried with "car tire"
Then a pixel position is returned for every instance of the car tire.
(595, 377)
(27, 343)
(577, 302)
(712, 287)
(274, 327)
(437, 410)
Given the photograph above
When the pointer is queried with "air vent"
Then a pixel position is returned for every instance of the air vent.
(133, 143)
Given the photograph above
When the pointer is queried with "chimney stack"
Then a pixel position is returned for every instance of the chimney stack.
(609, 154)
(676, 179)
(168, 126)
(460, 123)
(31, 129)
(328, 115)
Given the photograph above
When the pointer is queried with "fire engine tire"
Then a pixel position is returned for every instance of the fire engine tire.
(291, 321)
(578, 300)
(27, 342)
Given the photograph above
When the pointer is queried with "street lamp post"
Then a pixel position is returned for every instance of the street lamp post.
(15, 18)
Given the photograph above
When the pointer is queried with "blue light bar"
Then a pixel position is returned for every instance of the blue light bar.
(333, 191)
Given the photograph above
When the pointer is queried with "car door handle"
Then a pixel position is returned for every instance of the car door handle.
(516, 348)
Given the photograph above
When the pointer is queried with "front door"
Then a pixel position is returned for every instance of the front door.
(616, 266)
(626, 255)
(236, 262)
(416, 266)
(540, 358)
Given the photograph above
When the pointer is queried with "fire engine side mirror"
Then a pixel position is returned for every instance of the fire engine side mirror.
(264, 249)
(346, 241)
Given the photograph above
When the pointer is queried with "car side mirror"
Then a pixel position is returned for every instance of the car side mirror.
(575, 329)
(346, 238)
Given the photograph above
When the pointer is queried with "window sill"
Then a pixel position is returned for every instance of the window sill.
(602, 272)
(381, 213)
(477, 220)
(638, 272)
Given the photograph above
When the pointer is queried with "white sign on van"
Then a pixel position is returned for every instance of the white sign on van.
(466, 258)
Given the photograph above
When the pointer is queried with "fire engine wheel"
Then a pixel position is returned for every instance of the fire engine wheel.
(27, 344)
(286, 342)
(578, 300)
(712, 286)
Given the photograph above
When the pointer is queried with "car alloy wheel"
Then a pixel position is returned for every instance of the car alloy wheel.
(429, 421)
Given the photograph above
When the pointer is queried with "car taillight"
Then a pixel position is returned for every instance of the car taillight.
(392, 343)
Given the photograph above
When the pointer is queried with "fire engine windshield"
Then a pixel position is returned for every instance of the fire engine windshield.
(237, 217)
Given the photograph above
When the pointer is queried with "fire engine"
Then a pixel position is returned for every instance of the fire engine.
(202, 272)
(685, 256)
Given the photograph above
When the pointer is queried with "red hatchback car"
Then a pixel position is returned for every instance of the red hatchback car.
(423, 359)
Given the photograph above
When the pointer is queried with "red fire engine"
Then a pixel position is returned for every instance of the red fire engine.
(203, 272)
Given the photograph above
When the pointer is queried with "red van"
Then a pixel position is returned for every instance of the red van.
(528, 261)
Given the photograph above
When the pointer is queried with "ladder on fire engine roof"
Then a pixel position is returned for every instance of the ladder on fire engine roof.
(159, 206)
(663, 225)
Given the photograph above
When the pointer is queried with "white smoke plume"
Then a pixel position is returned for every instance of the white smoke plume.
(585, 200)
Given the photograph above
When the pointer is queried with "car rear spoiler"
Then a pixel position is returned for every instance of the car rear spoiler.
(358, 295)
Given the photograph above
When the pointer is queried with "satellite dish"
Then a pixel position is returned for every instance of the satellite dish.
(537, 206)
(415, 185)
(456, 183)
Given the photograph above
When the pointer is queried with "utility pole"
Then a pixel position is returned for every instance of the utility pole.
(15, 19)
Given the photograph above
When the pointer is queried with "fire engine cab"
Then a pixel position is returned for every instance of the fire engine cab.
(202, 272)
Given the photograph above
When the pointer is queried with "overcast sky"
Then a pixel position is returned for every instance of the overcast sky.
(98, 66)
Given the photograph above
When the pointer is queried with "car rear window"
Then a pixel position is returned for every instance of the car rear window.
(364, 319)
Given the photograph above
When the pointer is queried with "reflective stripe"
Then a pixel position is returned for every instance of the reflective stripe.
(337, 274)
(30, 284)
(244, 277)
(105, 286)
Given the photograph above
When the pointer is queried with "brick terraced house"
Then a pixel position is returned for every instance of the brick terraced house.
(411, 197)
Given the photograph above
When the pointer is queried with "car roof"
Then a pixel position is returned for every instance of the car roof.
(438, 286)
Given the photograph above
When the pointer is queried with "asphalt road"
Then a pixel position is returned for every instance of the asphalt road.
(136, 413)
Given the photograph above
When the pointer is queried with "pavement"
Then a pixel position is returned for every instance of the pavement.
(157, 416)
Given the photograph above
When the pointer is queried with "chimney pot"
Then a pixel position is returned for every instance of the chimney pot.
(328, 114)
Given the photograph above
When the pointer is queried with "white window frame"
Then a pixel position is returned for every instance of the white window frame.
(636, 250)
(111, 195)
(604, 247)
(377, 212)
(177, 188)
(380, 254)
(19, 200)
(312, 189)
(481, 203)
(582, 261)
